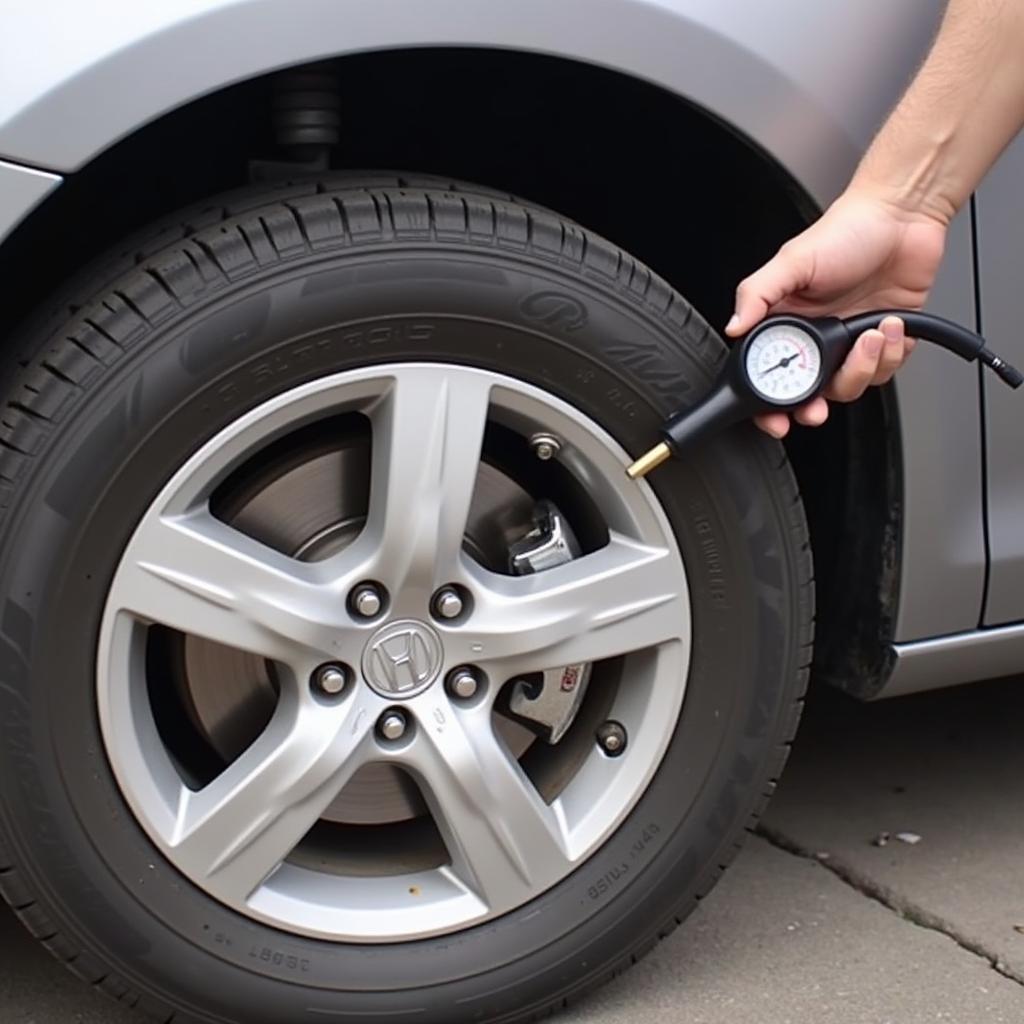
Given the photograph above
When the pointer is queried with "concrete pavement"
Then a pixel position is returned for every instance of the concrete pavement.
(814, 924)
(949, 767)
(818, 925)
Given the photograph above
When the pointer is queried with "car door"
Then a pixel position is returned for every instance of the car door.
(1000, 225)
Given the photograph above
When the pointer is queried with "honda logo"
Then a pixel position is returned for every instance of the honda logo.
(403, 658)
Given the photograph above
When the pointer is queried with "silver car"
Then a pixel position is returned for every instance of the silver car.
(344, 674)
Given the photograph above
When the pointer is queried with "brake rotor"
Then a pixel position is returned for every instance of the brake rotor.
(312, 506)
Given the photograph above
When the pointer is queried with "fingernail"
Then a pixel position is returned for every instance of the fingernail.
(873, 342)
(892, 330)
(733, 323)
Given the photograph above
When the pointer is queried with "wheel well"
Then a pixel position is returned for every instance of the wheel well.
(658, 176)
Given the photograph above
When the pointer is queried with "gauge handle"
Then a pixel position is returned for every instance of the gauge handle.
(734, 398)
(723, 407)
(726, 405)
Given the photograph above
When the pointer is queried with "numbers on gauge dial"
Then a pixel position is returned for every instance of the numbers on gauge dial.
(783, 363)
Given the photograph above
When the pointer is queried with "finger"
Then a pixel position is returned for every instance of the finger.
(893, 352)
(855, 375)
(813, 414)
(785, 273)
(774, 423)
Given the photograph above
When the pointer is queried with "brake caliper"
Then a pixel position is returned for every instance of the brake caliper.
(552, 705)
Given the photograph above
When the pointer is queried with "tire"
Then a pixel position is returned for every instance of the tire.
(267, 291)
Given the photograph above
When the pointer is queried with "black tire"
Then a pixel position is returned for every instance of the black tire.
(178, 338)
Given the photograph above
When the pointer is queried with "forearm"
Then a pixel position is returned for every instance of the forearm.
(962, 108)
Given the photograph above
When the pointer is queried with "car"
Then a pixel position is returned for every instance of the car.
(345, 672)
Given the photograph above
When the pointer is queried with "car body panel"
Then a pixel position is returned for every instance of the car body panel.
(951, 660)
(807, 83)
(943, 543)
(813, 107)
(21, 190)
(1000, 211)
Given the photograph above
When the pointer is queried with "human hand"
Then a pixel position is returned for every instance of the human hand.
(863, 253)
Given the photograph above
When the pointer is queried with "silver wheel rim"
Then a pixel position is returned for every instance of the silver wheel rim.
(187, 570)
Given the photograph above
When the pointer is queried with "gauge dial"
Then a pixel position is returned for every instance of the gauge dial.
(783, 363)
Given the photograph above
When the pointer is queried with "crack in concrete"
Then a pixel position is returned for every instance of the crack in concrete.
(890, 899)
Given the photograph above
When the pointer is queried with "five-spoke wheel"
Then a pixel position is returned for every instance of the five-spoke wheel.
(393, 649)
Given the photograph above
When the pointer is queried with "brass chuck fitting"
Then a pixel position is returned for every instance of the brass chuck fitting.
(655, 457)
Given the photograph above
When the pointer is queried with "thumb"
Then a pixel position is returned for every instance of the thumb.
(787, 272)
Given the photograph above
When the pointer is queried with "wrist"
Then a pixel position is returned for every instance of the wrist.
(914, 198)
(913, 171)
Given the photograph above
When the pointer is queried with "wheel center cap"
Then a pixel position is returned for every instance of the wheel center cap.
(402, 658)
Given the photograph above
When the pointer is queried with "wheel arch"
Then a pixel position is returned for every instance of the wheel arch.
(749, 68)
(749, 204)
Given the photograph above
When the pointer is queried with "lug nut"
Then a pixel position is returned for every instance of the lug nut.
(330, 679)
(392, 725)
(366, 600)
(545, 446)
(463, 683)
(447, 603)
(611, 738)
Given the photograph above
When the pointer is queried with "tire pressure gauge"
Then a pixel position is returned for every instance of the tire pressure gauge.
(782, 363)
(786, 360)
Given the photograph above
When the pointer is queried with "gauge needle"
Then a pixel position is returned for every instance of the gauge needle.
(781, 364)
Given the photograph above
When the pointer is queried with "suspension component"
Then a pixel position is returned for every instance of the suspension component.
(551, 698)
(305, 113)
(306, 109)
(551, 542)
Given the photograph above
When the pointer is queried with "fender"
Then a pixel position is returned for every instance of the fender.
(101, 70)
(806, 83)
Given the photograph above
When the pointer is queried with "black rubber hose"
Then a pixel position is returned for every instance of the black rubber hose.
(937, 329)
